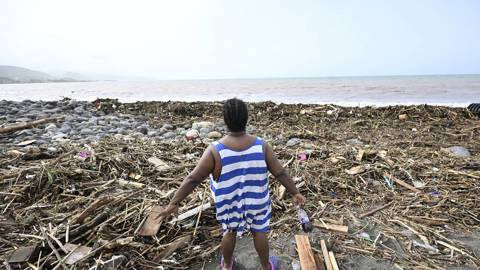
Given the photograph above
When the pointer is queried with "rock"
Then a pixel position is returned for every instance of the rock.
(65, 128)
(79, 110)
(403, 117)
(84, 131)
(458, 151)
(50, 126)
(25, 132)
(59, 136)
(52, 150)
(169, 135)
(204, 131)
(203, 124)
(293, 142)
(354, 142)
(192, 134)
(214, 135)
(23, 119)
(143, 130)
(167, 127)
(152, 133)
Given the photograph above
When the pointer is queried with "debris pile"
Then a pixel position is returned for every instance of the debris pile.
(398, 191)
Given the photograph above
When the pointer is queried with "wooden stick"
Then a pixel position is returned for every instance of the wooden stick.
(376, 210)
(326, 257)
(401, 183)
(307, 260)
(333, 260)
(331, 227)
(200, 213)
(60, 260)
(27, 125)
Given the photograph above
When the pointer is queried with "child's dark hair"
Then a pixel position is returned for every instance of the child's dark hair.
(235, 114)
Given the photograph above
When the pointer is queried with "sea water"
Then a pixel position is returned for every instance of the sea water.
(450, 90)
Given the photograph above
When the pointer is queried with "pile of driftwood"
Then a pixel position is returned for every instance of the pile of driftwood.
(386, 183)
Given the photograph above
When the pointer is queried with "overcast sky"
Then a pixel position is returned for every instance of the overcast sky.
(242, 38)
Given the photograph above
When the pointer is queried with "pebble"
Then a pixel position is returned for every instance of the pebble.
(354, 142)
(214, 135)
(459, 151)
(192, 134)
(59, 136)
(143, 130)
(293, 142)
(169, 135)
(85, 131)
(204, 131)
(203, 124)
(50, 126)
(167, 126)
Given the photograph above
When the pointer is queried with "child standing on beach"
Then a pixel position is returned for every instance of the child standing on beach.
(238, 166)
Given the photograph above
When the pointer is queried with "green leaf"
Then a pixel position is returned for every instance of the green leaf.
(51, 176)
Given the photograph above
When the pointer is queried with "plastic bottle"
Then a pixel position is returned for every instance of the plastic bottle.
(304, 220)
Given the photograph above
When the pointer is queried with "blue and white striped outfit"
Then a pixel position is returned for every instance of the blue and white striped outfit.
(241, 195)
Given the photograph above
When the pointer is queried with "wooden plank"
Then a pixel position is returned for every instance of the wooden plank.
(331, 227)
(401, 183)
(76, 253)
(152, 224)
(92, 207)
(177, 244)
(319, 262)
(333, 260)
(23, 254)
(190, 213)
(159, 164)
(307, 260)
(326, 257)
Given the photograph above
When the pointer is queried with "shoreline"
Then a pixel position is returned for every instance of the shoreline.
(346, 161)
(337, 104)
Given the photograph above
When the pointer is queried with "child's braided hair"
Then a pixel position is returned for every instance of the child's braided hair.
(235, 114)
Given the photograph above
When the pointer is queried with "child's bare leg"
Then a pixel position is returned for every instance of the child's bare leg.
(261, 245)
(228, 245)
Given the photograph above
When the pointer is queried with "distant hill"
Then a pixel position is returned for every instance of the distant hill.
(13, 74)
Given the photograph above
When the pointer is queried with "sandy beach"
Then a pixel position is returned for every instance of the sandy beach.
(387, 187)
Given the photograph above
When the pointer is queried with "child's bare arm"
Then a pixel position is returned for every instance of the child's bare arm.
(202, 170)
(281, 174)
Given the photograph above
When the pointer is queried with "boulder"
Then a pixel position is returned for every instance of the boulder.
(203, 124)
(214, 135)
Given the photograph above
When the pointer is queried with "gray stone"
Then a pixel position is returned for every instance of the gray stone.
(50, 126)
(354, 142)
(65, 128)
(203, 124)
(25, 132)
(458, 151)
(167, 126)
(143, 130)
(23, 119)
(59, 136)
(79, 109)
(152, 133)
(102, 123)
(69, 118)
(169, 135)
(293, 142)
(85, 131)
(205, 130)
